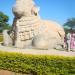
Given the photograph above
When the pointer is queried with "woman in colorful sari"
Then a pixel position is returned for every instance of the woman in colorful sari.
(72, 43)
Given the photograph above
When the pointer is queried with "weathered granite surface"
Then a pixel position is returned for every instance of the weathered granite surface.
(30, 31)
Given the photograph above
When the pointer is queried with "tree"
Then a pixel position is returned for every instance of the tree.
(70, 25)
(4, 22)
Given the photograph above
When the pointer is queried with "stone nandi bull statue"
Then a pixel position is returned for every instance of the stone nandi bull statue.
(29, 30)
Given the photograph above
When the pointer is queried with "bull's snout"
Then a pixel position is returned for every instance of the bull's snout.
(18, 12)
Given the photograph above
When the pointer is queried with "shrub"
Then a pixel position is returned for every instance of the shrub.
(1, 38)
(37, 64)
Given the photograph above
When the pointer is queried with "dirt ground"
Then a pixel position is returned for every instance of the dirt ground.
(5, 72)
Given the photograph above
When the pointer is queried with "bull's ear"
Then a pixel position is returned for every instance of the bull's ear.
(38, 9)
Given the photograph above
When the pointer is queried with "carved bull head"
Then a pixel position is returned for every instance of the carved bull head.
(23, 8)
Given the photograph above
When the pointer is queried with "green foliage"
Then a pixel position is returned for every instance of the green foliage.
(1, 38)
(4, 22)
(37, 64)
(70, 25)
(3, 17)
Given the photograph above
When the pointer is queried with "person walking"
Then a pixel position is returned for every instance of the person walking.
(68, 36)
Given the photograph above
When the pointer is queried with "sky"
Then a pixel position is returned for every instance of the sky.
(56, 10)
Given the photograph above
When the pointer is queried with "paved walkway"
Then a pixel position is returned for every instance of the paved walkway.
(37, 52)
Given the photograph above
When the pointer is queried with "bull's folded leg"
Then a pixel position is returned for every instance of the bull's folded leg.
(7, 41)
